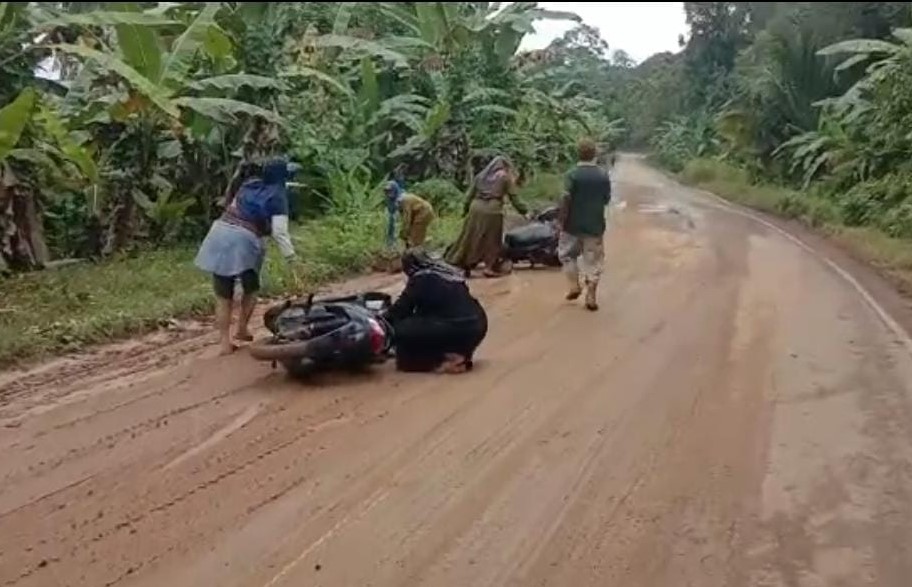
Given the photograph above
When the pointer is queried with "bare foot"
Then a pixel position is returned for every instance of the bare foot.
(453, 365)
(227, 349)
(574, 294)
(454, 369)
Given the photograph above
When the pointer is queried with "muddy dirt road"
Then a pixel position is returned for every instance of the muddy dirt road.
(738, 414)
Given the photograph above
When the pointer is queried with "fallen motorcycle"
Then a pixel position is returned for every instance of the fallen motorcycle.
(536, 242)
(332, 333)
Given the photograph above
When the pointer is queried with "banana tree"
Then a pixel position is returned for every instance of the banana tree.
(448, 28)
(883, 58)
(350, 120)
(38, 153)
(830, 151)
(446, 48)
(172, 81)
(22, 244)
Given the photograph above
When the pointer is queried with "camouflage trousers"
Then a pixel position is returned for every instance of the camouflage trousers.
(582, 256)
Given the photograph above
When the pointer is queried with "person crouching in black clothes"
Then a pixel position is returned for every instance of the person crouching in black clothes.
(437, 324)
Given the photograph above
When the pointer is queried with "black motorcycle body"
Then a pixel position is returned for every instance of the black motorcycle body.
(536, 242)
(333, 333)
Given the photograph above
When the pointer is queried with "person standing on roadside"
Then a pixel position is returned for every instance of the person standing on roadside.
(582, 219)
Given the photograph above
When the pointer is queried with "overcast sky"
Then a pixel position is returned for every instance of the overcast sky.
(639, 28)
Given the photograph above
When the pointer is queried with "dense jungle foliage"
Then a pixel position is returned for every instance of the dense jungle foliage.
(813, 96)
(122, 126)
(123, 123)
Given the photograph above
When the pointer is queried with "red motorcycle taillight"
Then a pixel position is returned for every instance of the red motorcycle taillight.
(377, 337)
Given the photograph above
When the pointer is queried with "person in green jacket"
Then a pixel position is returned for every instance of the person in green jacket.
(581, 248)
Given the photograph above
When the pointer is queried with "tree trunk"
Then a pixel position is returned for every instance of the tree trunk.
(121, 220)
(22, 244)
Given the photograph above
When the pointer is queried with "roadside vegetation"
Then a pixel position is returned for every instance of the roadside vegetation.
(121, 124)
(67, 308)
(891, 255)
(800, 109)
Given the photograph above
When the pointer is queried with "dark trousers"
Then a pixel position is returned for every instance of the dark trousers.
(422, 343)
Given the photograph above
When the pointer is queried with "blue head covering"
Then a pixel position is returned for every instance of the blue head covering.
(261, 198)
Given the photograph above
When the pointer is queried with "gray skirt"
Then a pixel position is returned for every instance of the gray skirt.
(229, 250)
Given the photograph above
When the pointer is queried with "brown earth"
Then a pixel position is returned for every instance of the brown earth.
(738, 414)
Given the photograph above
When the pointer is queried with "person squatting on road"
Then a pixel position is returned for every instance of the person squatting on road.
(582, 218)
(415, 213)
(234, 249)
(481, 238)
(437, 324)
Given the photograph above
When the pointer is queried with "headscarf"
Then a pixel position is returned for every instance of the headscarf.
(262, 193)
(393, 192)
(416, 262)
(488, 180)
(271, 179)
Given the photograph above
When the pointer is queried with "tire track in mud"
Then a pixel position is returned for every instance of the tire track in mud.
(614, 448)
(214, 481)
(162, 508)
(147, 351)
(494, 460)
(112, 439)
(586, 399)
(158, 501)
(410, 453)
(89, 533)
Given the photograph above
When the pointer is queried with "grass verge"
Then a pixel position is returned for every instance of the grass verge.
(893, 256)
(541, 190)
(66, 309)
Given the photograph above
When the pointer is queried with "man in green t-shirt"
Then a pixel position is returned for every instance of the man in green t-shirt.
(581, 250)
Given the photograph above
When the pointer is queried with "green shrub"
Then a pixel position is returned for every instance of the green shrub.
(700, 171)
(65, 309)
(897, 221)
(793, 205)
(704, 171)
(822, 212)
(542, 189)
(859, 207)
(441, 193)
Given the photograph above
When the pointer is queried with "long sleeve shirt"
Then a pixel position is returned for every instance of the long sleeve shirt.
(431, 296)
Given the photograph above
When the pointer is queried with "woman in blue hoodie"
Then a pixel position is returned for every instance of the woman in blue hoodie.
(234, 249)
